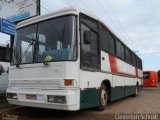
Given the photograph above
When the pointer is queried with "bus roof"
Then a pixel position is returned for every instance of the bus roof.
(64, 11)
(150, 71)
(3, 45)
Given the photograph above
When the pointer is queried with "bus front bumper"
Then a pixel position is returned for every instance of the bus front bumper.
(51, 99)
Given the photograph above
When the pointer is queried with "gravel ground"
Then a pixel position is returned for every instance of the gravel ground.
(3, 102)
(147, 102)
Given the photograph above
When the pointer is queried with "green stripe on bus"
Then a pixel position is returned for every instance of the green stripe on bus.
(89, 98)
(121, 92)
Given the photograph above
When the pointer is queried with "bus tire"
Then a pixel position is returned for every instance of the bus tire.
(103, 98)
(136, 91)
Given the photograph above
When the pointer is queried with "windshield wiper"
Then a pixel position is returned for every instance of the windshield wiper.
(25, 52)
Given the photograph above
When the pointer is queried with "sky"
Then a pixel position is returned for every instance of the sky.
(135, 22)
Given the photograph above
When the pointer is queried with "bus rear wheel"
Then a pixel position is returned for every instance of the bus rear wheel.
(103, 98)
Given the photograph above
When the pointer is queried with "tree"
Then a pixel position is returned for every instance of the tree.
(159, 76)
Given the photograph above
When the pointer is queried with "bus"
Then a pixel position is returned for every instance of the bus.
(150, 79)
(70, 60)
(3, 77)
(4, 67)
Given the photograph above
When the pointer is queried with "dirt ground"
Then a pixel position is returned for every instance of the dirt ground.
(147, 102)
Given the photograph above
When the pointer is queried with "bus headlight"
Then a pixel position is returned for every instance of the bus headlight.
(12, 96)
(56, 99)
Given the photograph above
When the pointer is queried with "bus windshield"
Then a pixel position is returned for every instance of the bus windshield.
(51, 40)
(146, 75)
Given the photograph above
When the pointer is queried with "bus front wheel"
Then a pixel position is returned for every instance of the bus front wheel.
(103, 98)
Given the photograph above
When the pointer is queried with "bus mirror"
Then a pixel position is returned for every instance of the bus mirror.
(7, 53)
(87, 37)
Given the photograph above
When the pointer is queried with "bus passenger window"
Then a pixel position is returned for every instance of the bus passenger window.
(89, 44)
(128, 55)
(146, 75)
(86, 46)
(112, 45)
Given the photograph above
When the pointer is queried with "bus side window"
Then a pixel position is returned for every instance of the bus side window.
(89, 44)
(139, 63)
(133, 60)
(128, 55)
(85, 45)
(120, 49)
(104, 36)
(112, 44)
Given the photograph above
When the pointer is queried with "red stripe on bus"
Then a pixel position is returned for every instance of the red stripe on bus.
(113, 64)
(114, 69)
(126, 74)
(137, 72)
(129, 75)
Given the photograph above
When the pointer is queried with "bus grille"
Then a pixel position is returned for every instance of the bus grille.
(42, 84)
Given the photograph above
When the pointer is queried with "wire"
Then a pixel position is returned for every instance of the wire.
(120, 23)
(106, 13)
(112, 26)
(117, 27)
(86, 5)
(42, 5)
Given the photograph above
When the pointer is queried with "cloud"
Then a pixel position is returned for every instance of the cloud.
(4, 38)
(51, 5)
(141, 22)
(135, 22)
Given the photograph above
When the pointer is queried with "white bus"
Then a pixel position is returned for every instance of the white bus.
(69, 60)
(3, 76)
(4, 67)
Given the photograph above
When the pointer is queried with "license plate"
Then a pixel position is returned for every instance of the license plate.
(31, 97)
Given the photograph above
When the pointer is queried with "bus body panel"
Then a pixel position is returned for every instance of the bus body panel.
(4, 76)
(3, 82)
(151, 80)
(72, 98)
(39, 76)
(123, 81)
(42, 81)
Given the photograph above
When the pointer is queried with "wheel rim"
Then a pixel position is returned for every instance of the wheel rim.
(103, 97)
